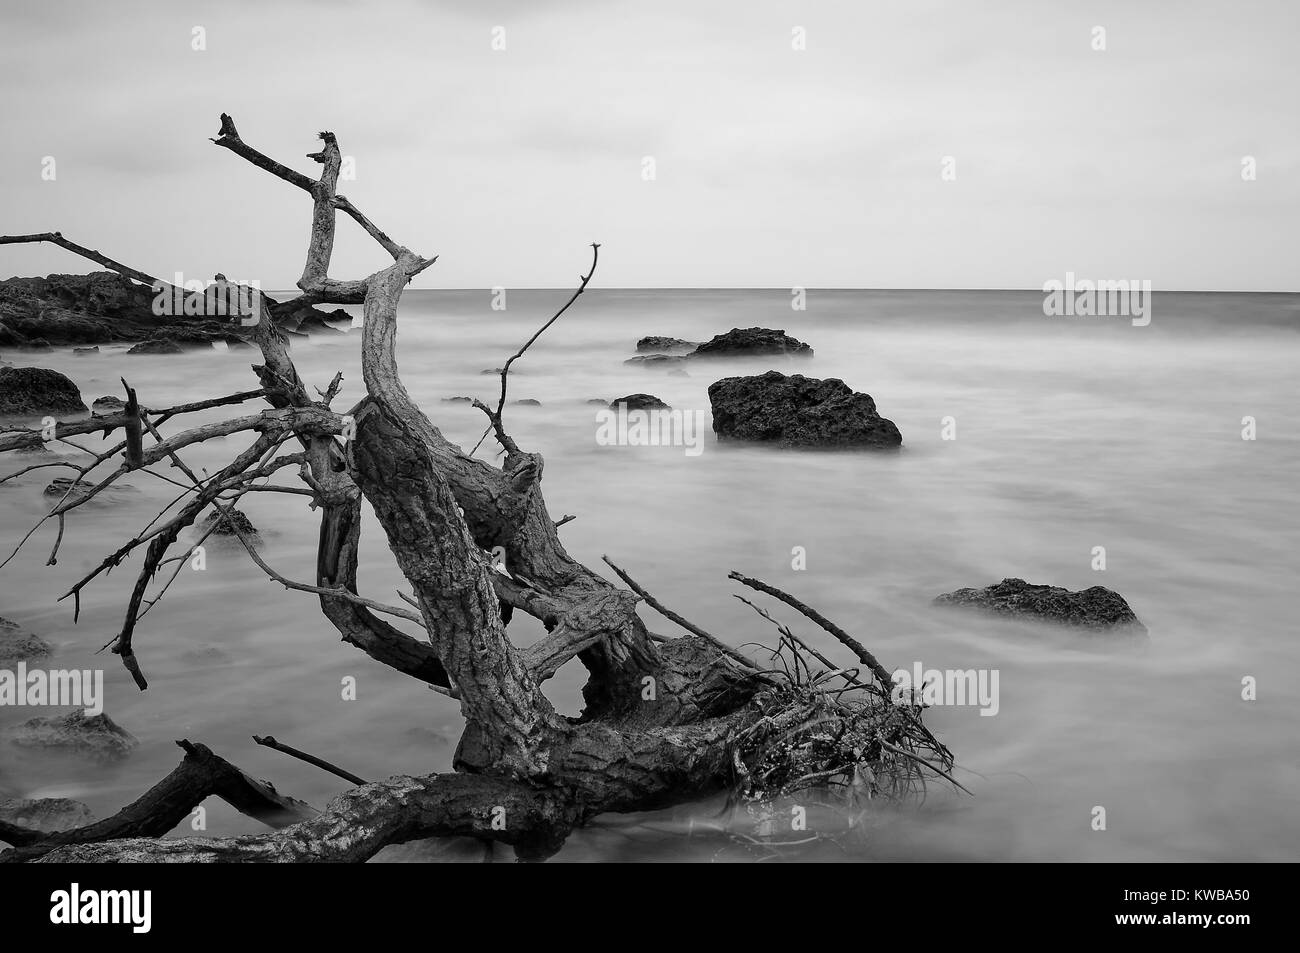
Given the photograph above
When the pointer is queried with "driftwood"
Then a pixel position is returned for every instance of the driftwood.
(665, 720)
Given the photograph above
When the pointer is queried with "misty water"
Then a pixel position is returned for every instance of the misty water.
(1071, 433)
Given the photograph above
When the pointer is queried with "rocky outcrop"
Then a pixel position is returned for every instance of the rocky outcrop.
(664, 345)
(95, 735)
(32, 391)
(1095, 609)
(19, 645)
(104, 307)
(638, 402)
(104, 406)
(798, 411)
(752, 342)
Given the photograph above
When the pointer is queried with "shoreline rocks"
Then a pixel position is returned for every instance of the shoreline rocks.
(798, 411)
(103, 307)
(33, 391)
(1095, 609)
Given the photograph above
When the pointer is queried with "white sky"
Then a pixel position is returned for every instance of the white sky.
(775, 167)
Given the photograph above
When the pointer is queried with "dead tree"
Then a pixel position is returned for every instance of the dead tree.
(715, 720)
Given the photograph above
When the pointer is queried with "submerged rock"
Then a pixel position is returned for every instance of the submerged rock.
(752, 342)
(38, 390)
(226, 523)
(656, 360)
(527, 402)
(66, 486)
(655, 344)
(798, 411)
(96, 735)
(458, 400)
(19, 645)
(1096, 608)
(48, 814)
(638, 402)
(83, 351)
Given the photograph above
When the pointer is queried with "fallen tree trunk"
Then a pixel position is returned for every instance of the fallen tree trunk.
(665, 721)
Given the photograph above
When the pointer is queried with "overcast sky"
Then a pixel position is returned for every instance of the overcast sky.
(774, 167)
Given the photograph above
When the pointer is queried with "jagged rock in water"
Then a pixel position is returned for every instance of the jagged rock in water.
(19, 645)
(638, 402)
(655, 344)
(1096, 608)
(38, 390)
(95, 735)
(48, 814)
(752, 342)
(798, 411)
(225, 520)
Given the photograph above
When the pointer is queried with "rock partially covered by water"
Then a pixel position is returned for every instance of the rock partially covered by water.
(157, 346)
(1096, 609)
(655, 344)
(753, 342)
(104, 406)
(19, 645)
(227, 521)
(798, 411)
(656, 360)
(95, 735)
(38, 390)
(65, 486)
(48, 814)
(638, 402)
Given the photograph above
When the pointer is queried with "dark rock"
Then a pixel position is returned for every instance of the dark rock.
(157, 346)
(10, 337)
(528, 402)
(1097, 608)
(752, 342)
(48, 814)
(104, 306)
(19, 645)
(655, 344)
(656, 360)
(458, 400)
(39, 344)
(228, 521)
(83, 351)
(107, 405)
(639, 402)
(798, 411)
(37, 390)
(96, 735)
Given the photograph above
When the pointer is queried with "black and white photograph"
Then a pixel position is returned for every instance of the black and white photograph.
(785, 432)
